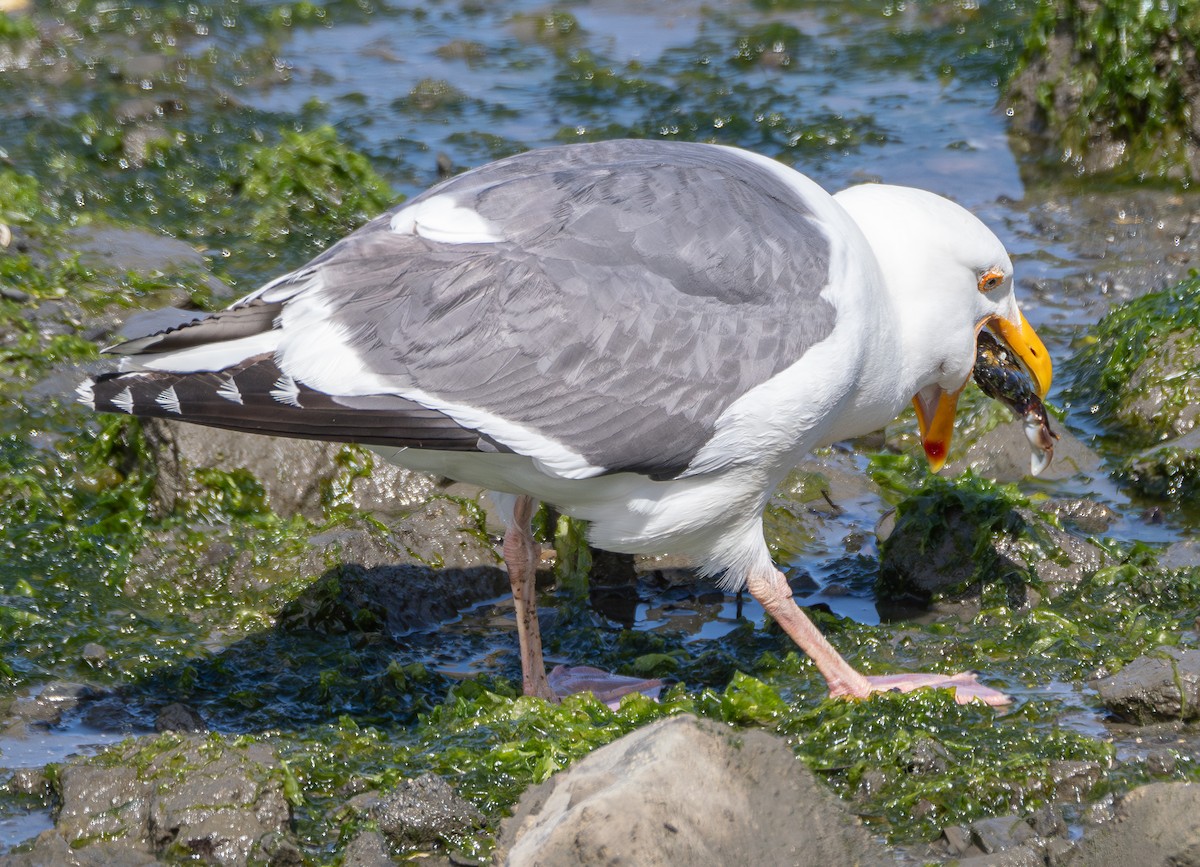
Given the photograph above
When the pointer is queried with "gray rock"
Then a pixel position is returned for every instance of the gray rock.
(423, 811)
(1155, 826)
(179, 717)
(1000, 833)
(426, 520)
(391, 599)
(1019, 856)
(221, 808)
(367, 849)
(635, 802)
(29, 781)
(936, 549)
(103, 802)
(1074, 780)
(1166, 471)
(1151, 396)
(1002, 454)
(297, 475)
(1159, 687)
(94, 654)
(131, 249)
(51, 850)
(1087, 516)
(1180, 555)
(957, 840)
(51, 702)
(188, 798)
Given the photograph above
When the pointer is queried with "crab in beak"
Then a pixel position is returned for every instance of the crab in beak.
(936, 407)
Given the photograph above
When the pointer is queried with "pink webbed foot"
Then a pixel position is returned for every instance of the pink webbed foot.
(966, 686)
(608, 688)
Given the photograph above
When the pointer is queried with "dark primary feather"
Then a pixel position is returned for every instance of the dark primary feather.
(208, 398)
(244, 320)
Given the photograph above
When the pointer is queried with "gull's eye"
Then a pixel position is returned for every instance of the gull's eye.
(989, 280)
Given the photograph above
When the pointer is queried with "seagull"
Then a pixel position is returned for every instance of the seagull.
(647, 335)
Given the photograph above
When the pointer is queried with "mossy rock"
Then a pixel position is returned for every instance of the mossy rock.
(1111, 88)
(1139, 369)
(1169, 472)
(974, 540)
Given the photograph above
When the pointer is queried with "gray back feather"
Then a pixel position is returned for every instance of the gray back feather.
(639, 290)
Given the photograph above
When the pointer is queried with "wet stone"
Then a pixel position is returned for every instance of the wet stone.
(110, 714)
(940, 553)
(1161, 762)
(367, 849)
(51, 850)
(1000, 833)
(634, 802)
(388, 599)
(1058, 851)
(49, 705)
(1018, 856)
(957, 839)
(124, 249)
(29, 781)
(1162, 686)
(179, 717)
(1180, 555)
(1074, 780)
(1048, 822)
(187, 798)
(99, 803)
(423, 811)
(928, 757)
(1154, 825)
(1002, 454)
(94, 654)
(1086, 515)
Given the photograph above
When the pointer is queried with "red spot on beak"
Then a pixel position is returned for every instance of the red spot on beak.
(935, 451)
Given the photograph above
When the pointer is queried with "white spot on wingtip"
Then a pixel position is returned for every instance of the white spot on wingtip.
(287, 391)
(169, 400)
(229, 391)
(441, 219)
(124, 401)
(86, 394)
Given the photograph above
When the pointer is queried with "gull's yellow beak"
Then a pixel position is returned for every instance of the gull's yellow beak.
(935, 414)
(936, 406)
(1023, 340)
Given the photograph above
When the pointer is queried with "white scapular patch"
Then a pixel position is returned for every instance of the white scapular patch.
(124, 401)
(169, 400)
(229, 391)
(85, 393)
(206, 357)
(287, 391)
(441, 219)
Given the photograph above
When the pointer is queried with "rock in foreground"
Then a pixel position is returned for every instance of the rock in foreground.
(686, 791)
(1155, 826)
(1163, 686)
(174, 798)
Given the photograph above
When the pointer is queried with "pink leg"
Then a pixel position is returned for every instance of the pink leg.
(520, 555)
(773, 593)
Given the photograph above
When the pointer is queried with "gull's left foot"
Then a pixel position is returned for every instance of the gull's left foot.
(966, 686)
(608, 688)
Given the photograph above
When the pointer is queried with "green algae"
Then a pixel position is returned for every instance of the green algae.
(1170, 474)
(309, 186)
(1113, 85)
(957, 522)
(1124, 355)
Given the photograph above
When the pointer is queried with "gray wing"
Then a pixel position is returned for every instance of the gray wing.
(638, 290)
